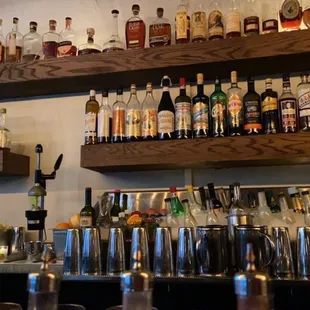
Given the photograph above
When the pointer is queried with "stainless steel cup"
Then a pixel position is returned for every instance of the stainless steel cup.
(116, 253)
(185, 262)
(91, 254)
(18, 239)
(163, 257)
(283, 266)
(238, 219)
(139, 254)
(303, 252)
(72, 253)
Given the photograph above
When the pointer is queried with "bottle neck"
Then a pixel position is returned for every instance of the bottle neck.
(186, 208)
(191, 197)
(306, 199)
(283, 203)
(286, 86)
(52, 28)
(68, 24)
(15, 28)
(212, 192)
(1, 30)
(237, 193)
(135, 13)
(90, 39)
(92, 98)
(268, 86)
(200, 89)
(88, 198)
(117, 198)
(234, 84)
(114, 35)
(104, 101)
(182, 91)
(119, 97)
(218, 87)
(251, 86)
(168, 206)
(2, 119)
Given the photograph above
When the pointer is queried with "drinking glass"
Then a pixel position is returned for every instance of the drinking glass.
(116, 253)
(72, 253)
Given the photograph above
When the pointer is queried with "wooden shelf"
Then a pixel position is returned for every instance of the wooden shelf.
(262, 150)
(12, 164)
(256, 55)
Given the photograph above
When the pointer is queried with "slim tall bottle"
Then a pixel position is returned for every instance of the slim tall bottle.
(50, 41)
(235, 107)
(116, 208)
(91, 113)
(183, 117)
(217, 205)
(287, 107)
(14, 40)
(233, 23)
(166, 112)
(200, 111)
(149, 115)
(119, 118)
(133, 116)
(215, 21)
(199, 24)
(182, 23)
(88, 213)
(303, 95)
(104, 120)
(218, 111)
(2, 44)
(176, 205)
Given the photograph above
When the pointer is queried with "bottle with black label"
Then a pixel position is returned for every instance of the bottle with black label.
(88, 213)
(183, 117)
(104, 120)
(200, 110)
(166, 112)
(303, 95)
(270, 109)
(287, 107)
(252, 110)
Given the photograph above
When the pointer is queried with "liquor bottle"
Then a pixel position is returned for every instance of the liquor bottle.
(252, 110)
(189, 220)
(166, 112)
(14, 41)
(67, 44)
(290, 15)
(270, 17)
(104, 120)
(133, 116)
(176, 205)
(114, 43)
(218, 111)
(233, 23)
(270, 109)
(182, 23)
(306, 16)
(32, 44)
(91, 113)
(306, 200)
(124, 203)
(202, 194)
(183, 117)
(50, 41)
(194, 206)
(135, 30)
(5, 133)
(286, 216)
(217, 205)
(303, 95)
(118, 119)
(116, 209)
(215, 21)
(160, 30)
(90, 47)
(296, 199)
(251, 20)
(149, 115)
(272, 203)
(172, 220)
(2, 44)
(264, 212)
(200, 111)
(199, 24)
(88, 213)
(287, 107)
(235, 107)
(236, 207)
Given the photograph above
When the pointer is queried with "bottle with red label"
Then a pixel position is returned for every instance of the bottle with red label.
(119, 118)
(67, 44)
(135, 30)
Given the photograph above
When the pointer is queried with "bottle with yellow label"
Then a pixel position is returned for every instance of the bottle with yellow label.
(182, 23)
(199, 24)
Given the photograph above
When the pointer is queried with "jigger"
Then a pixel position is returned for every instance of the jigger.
(139, 254)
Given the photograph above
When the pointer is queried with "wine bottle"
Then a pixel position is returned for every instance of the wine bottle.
(88, 213)
(91, 113)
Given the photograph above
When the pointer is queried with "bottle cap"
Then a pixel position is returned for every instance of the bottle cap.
(182, 82)
(160, 10)
(52, 22)
(268, 81)
(200, 78)
(149, 86)
(136, 7)
(90, 31)
(115, 11)
(292, 191)
(3, 110)
(105, 93)
(133, 86)
(167, 199)
(210, 185)
(117, 191)
(189, 188)
(166, 81)
(173, 189)
(33, 23)
(68, 18)
(15, 20)
(92, 93)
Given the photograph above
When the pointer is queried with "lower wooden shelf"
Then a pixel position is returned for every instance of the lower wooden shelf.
(12, 164)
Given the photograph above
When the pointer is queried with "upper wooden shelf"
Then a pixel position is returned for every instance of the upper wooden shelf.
(262, 150)
(12, 164)
(256, 55)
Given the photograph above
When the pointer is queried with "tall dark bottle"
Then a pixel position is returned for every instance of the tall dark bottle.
(252, 110)
(183, 116)
(218, 111)
(200, 111)
(303, 94)
(270, 109)
(217, 205)
(88, 213)
(116, 208)
(166, 112)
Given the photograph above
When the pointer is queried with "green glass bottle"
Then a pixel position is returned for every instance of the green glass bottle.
(176, 205)
(88, 213)
(124, 202)
(116, 209)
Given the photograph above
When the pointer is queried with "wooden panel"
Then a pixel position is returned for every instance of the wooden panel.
(220, 152)
(12, 164)
(272, 53)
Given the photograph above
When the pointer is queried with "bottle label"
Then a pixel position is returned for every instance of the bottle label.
(118, 123)
(133, 123)
(251, 25)
(252, 115)
(234, 110)
(149, 124)
(288, 109)
(50, 49)
(200, 116)
(181, 25)
(12, 44)
(183, 119)
(165, 122)
(134, 34)
(103, 124)
(304, 102)
(233, 22)
(290, 9)
(269, 104)
(215, 23)
(199, 25)
(218, 116)
(85, 221)
(66, 48)
(90, 124)
(160, 34)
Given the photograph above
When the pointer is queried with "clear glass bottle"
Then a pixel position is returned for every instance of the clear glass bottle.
(236, 206)
(5, 133)
(194, 206)
(290, 14)
(67, 45)
(189, 220)
(296, 199)
(133, 116)
(160, 30)
(119, 118)
(114, 43)
(149, 115)
(176, 205)
(303, 96)
(251, 17)
(2, 44)
(199, 24)
(233, 21)
(135, 30)
(32, 44)
(50, 41)
(215, 21)
(104, 119)
(182, 23)
(89, 47)
(91, 116)
(172, 220)
(264, 213)
(212, 218)
(286, 216)
(270, 17)
(14, 43)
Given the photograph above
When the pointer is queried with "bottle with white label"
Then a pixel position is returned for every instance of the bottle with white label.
(215, 21)
(233, 23)
(166, 112)
(91, 113)
(199, 24)
(251, 17)
(182, 23)
(303, 96)
(104, 119)
(183, 117)
(149, 115)
(133, 116)
(88, 213)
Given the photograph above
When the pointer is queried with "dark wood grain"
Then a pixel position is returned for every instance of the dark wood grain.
(12, 164)
(264, 54)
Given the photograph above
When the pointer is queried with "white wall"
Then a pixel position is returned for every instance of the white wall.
(57, 122)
